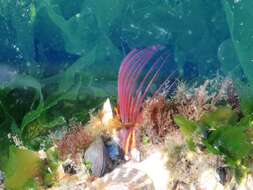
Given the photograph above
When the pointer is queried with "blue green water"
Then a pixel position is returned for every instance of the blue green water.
(60, 58)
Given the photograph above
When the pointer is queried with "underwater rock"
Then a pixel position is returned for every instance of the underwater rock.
(247, 183)
(149, 174)
(97, 155)
(201, 172)
(74, 182)
(191, 168)
(123, 178)
(224, 175)
(213, 182)
(70, 167)
(71, 174)
(180, 186)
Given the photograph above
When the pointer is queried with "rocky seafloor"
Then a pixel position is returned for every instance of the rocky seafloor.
(174, 151)
(161, 168)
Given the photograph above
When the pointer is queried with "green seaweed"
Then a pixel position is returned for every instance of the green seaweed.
(88, 166)
(33, 135)
(31, 184)
(180, 24)
(236, 52)
(231, 141)
(239, 16)
(38, 104)
(87, 27)
(222, 133)
(22, 166)
(187, 127)
(86, 35)
(49, 172)
(223, 116)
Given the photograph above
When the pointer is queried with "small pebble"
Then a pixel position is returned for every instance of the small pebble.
(70, 167)
(224, 174)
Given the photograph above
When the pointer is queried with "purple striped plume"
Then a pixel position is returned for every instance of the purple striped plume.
(138, 71)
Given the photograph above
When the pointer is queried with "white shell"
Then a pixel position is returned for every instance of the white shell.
(107, 112)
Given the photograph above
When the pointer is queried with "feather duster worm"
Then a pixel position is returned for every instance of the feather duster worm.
(138, 72)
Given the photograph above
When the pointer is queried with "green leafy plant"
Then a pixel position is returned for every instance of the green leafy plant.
(88, 165)
(21, 169)
(221, 133)
(24, 168)
(223, 116)
(145, 140)
(33, 135)
(51, 164)
(187, 127)
(235, 53)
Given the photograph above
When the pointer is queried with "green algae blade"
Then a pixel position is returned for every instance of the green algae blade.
(23, 165)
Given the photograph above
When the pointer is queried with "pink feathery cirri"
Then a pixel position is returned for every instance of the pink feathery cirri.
(138, 71)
